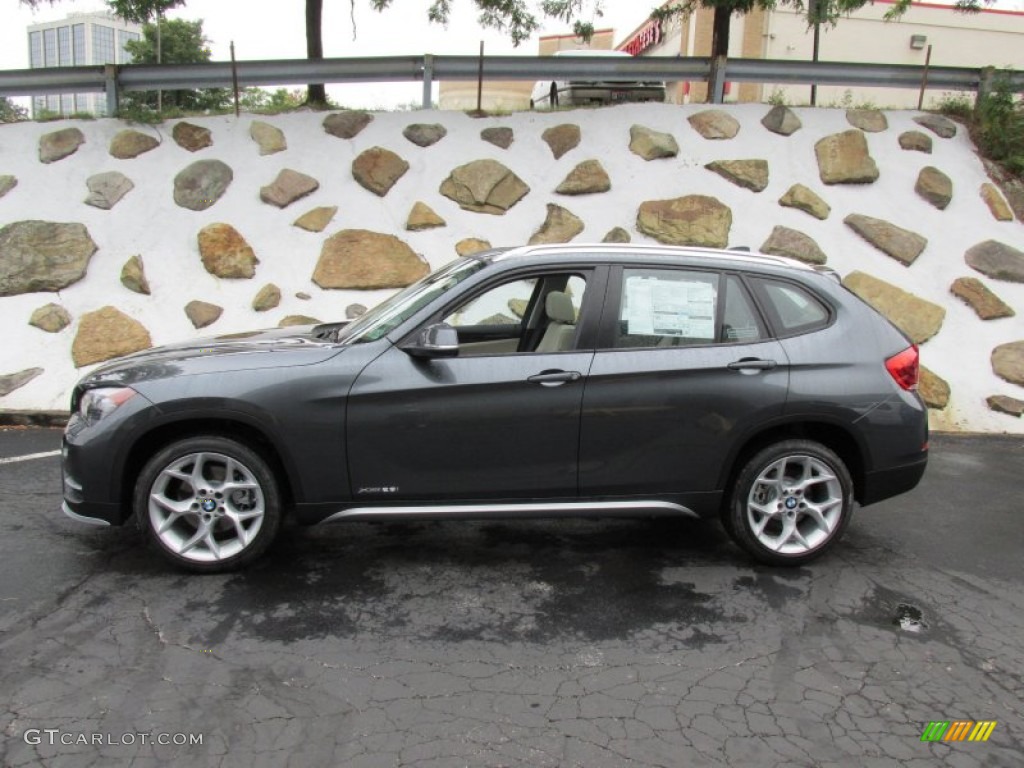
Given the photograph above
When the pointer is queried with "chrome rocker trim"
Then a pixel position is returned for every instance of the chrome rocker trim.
(530, 509)
(81, 518)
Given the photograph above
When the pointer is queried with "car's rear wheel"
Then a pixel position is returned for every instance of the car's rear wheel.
(208, 504)
(791, 502)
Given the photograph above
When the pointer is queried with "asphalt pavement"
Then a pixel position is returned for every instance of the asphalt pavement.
(520, 643)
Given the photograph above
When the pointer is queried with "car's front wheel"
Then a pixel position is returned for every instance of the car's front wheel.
(208, 504)
(791, 502)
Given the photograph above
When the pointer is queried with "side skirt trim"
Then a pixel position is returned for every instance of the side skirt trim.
(526, 509)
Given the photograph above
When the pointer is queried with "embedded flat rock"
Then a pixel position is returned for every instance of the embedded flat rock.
(59, 144)
(225, 253)
(916, 317)
(651, 144)
(843, 158)
(484, 186)
(714, 124)
(793, 244)
(202, 184)
(997, 260)
(587, 178)
(902, 244)
(560, 226)
(129, 144)
(697, 220)
(105, 334)
(365, 260)
(43, 256)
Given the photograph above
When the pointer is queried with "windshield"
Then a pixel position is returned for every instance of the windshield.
(387, 316)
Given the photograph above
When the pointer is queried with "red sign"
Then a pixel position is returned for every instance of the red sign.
(644, 39)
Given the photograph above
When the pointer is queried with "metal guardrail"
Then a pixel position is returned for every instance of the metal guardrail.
(427, 68)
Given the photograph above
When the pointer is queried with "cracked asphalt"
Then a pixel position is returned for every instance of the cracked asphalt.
(526, 643)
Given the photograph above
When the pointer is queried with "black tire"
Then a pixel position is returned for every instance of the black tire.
(554, 96)
(240, 526)
(801, 520)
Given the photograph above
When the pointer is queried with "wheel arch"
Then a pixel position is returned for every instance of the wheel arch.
(148, 443)
(833, 436)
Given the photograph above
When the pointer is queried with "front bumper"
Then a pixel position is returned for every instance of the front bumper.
(82, 518)
(93, 463)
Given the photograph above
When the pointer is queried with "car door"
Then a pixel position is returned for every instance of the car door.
(684, 365)
(501, 420)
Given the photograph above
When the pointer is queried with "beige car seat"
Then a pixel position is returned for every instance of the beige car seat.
(561, 328)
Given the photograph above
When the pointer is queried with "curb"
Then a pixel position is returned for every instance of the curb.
(34, 418)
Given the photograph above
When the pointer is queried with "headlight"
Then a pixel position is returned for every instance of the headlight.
(98, 403)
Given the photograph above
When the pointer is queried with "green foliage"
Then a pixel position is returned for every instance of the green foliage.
(141, 11)
(517, 18)
(955, 105)
(777, 98)
(181, 42)
(11, 112)
(999, 126)
(270, 103)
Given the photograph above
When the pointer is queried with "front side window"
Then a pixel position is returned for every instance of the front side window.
(667, 308)
(526, 314)
(385, 317)
(504, 305)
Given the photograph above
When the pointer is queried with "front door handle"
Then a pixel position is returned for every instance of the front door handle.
(752, 364)
(554, 378)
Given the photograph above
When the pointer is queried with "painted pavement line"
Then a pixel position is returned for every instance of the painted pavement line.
(30, 457)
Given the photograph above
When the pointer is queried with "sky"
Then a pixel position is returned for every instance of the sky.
(403, 29)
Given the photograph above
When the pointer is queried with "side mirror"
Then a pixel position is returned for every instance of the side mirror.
(438, 340)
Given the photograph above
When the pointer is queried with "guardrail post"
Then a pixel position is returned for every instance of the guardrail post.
(987, 76)
(428, 79)
(110, 78)
(717, 80)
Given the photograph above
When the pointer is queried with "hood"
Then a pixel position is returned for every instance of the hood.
(297, 345)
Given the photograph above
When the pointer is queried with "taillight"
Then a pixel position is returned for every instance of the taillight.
(904, 367)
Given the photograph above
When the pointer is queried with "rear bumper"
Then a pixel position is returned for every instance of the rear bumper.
(887, 483)
(610, 93)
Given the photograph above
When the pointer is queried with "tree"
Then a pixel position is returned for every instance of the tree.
(183, 42)
(142, 11)
(11, 112)
(514, 17)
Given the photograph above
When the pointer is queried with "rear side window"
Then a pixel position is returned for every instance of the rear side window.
(667, 308)
(793, 309)
(740, 322)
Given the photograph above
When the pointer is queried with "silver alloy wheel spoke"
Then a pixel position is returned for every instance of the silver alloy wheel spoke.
(795, 504)
(182, 523)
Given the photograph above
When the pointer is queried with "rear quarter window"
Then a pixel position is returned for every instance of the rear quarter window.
(792, 308)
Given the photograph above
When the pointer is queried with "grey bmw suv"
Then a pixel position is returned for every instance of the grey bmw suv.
(534, 381)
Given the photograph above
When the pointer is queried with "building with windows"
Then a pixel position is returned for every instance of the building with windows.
(990, 37)
(78, 40)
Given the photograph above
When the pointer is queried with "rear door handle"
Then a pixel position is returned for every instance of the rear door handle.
(554, 378)
(752, 364)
